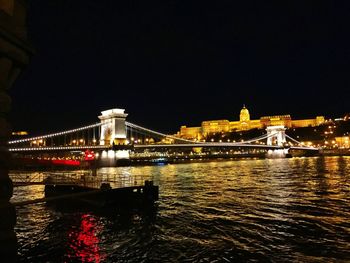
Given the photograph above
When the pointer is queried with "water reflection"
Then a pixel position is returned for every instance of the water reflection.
(83, 242)
(294, 210)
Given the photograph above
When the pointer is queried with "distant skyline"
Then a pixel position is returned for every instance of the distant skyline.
(173, 63)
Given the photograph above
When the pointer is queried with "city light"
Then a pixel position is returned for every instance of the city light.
(170, 140)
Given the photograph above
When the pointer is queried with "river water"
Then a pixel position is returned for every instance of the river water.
(271, 210)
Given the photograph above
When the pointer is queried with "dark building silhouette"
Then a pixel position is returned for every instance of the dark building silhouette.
(15, 52)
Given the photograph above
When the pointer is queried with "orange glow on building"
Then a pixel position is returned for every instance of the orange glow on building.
(245, 123)
(343, 142)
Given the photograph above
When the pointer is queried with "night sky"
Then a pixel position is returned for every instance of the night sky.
(172, 63)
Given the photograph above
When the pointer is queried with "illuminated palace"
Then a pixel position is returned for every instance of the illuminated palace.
(245, 123)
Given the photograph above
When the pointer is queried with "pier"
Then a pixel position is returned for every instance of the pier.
(95, 191)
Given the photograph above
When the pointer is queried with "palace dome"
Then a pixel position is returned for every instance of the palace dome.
(244, 116)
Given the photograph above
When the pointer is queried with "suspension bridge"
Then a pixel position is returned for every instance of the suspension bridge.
(114, 136)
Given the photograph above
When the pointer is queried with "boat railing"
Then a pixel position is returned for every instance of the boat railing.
(26, 178)
(85, 178)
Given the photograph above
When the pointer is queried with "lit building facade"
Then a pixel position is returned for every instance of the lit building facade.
(343, 142)
(190, 132)
(215, 126)
(245, 123)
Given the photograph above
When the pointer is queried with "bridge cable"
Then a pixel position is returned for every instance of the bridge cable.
(55, 134)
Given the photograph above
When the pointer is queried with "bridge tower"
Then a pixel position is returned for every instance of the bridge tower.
(113, 129)
(276, 135)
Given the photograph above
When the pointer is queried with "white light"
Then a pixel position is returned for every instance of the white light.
(122, 154)
(110, 154)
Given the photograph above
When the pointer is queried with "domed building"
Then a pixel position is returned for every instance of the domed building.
(244, 118)
(245, 123)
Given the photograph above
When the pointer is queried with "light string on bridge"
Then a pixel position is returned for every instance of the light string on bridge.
(83, 147)
(292, 139)
(256, 139)
(142, 130)
(55, 134)
(259, 138)
(135, 126)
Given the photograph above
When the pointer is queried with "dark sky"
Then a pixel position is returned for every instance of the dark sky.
(170, 63)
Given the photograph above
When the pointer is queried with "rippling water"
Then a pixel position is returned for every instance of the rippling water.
(289, 210)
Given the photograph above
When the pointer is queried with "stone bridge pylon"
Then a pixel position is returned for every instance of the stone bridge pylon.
(113, 129)
(276, 135)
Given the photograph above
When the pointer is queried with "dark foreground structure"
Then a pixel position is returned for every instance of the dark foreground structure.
(119, 199)
(14, 56)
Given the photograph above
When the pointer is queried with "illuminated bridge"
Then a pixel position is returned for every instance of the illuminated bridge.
(114, 136)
